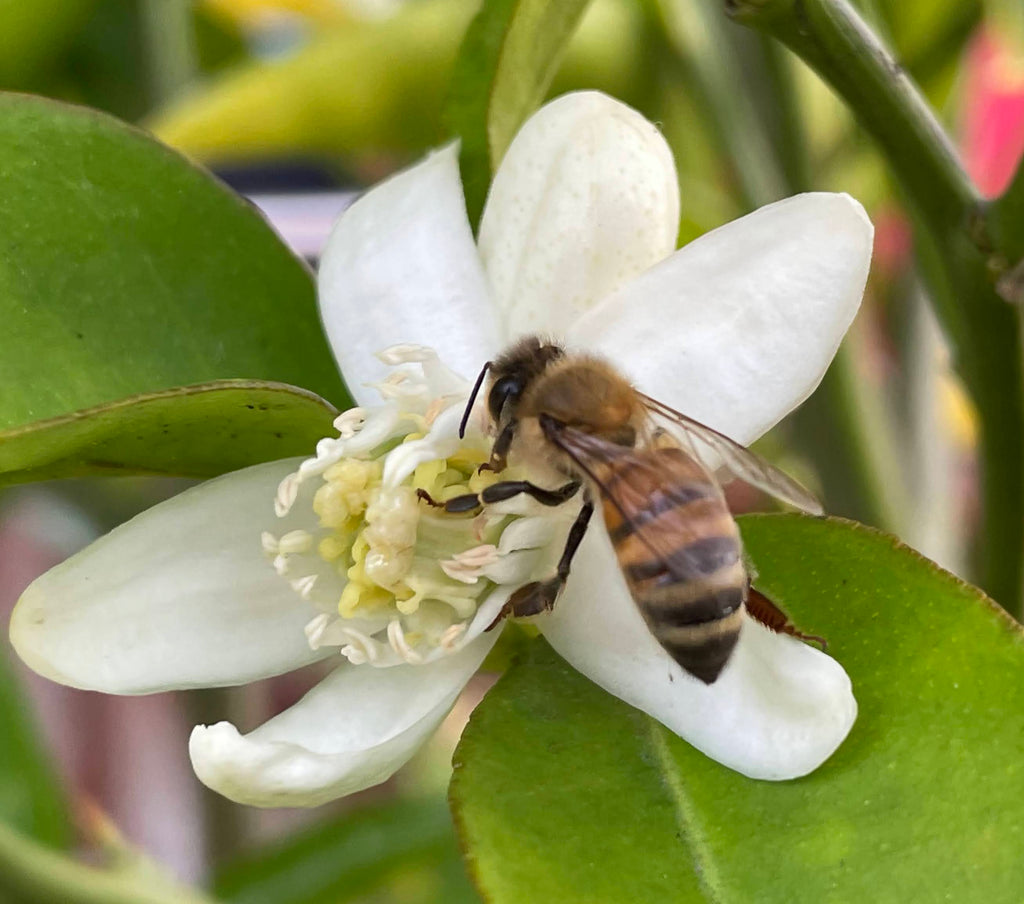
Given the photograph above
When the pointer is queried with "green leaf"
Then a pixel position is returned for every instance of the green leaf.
(30, 797)
(353, 856)
(564, 793)
(192, 431)
(125, 270)
(507, 61)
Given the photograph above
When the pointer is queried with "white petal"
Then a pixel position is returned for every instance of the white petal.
(737, 328)
(353, 730)
(180, 596)
(778, 710)
(400, 266)
(585, 198)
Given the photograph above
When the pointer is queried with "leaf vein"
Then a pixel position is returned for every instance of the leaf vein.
(692, 832)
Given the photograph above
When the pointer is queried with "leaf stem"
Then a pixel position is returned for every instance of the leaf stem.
(170, 45)
(1006, 219)
(839, 45)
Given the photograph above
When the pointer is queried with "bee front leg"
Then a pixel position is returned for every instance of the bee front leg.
(499, 451)
(540, 596)
(499, 492)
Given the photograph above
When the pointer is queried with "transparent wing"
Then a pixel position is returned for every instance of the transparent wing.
(627, 477)
(715, 449)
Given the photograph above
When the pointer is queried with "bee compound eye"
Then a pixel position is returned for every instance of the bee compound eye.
(506, 389)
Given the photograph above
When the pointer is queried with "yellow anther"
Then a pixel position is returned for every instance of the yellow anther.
(329, 505)
(480, 480)
(349, 601)
(333, 547)
(426, 475)
(402, 592)
(468, 457)
(359, 548)
(357, 573)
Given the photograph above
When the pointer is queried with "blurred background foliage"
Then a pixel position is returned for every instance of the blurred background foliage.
(301, 96)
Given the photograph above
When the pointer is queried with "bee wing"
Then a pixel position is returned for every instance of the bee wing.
(634, 472)
(738, 460)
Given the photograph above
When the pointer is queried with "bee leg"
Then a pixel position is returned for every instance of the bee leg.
(499, 492)
(540, 596)
(499, 451)
(458, 505)
(507, 489)
(771, 616)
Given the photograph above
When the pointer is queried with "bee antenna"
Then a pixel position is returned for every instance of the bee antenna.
(472, 398)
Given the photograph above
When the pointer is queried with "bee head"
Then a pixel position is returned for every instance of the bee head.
(511, 375)
(505, 390)
(514, 371)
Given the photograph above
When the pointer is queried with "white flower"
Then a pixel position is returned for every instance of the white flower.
(577, 240)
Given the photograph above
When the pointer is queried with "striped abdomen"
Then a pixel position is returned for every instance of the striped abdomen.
(679, 549)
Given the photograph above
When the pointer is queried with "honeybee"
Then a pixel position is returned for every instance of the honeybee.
(675, 539)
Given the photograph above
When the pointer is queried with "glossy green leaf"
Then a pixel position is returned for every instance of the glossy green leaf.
(124, 269)
(356, 855)
(507, 61)
(31, 800)
(566, 794)
(192, 431)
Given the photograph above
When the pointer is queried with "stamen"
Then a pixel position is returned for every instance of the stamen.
(355, 655)
(287, 493)
(315, 630)
(350, 422)
(406, 353)
(396, 637)
(295, 541)
(366, 648)
(399, 386)
(395, 583)
(269, 543)
(451, 635)
(467, 566)
(304, 586)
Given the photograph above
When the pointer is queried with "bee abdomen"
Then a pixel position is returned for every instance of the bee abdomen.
(697, 620)
(692, 597)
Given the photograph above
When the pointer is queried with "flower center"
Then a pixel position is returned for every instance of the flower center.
(396, 580)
